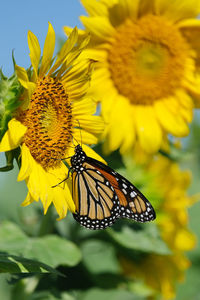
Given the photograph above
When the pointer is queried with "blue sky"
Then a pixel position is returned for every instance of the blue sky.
(17, 17)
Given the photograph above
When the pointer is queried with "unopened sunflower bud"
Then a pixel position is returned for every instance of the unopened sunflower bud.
(10, 90)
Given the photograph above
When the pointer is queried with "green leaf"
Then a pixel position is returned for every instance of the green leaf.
(10, 156)
(113, 294)
(55, 251)
(146, 240)
(46, 295)
(99, 257)
(15, 264)
(50, 249)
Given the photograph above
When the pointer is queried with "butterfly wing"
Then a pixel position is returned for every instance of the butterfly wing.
(133, 204)
(96, 202)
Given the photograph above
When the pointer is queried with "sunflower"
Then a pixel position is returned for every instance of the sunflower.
(148, 58)
(54, 106)
(170, 185)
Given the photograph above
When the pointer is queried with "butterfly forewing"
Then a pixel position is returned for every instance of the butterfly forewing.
(133, 204)
(136, 206)
(97, 205)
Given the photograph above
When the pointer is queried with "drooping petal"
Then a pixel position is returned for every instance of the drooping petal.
(48, 51)
(29, 199)
(26, 163)
(13, 136)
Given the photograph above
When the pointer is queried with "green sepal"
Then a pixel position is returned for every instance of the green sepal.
(10, 91)
(10, 156)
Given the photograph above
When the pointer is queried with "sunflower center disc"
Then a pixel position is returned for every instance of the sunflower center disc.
(147, 59)
(49, 123)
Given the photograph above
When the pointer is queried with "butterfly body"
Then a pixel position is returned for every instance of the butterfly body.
(101, 195)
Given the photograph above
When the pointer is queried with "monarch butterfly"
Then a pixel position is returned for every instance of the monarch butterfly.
(101, 195)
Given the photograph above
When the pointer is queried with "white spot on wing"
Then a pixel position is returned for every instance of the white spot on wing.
(133, 194)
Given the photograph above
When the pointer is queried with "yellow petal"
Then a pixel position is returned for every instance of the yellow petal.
(85, 137)
(178, 9)
(99, 26)
(68, 30)
(22, 76)
(85, 106)
(186, 106)
(99, 55)
(171, 122)
(60, 203)
(146, 7)
(29, 86)
(82, 34)
(94, 8)
(79, 72)
(72, 56)
(148, 129)
(88, 150)
(48, 50)
(63, 201)
(185, 240)
(102, 83)
(26, 163)
(36, 176)
(28, 200)
(93, 124)
(13, 136)
(124, 9)
(91, 153)
(66, 48)
(35, 51)
(194, 90)
(191, 30)
(107, 103)
(121, 131)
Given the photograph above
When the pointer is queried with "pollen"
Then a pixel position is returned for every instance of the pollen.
(147, 59)
(49, 123)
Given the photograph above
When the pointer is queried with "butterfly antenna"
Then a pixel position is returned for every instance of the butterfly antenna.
(80, 131)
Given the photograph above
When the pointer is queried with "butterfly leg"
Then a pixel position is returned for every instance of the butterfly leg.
(70, 169)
